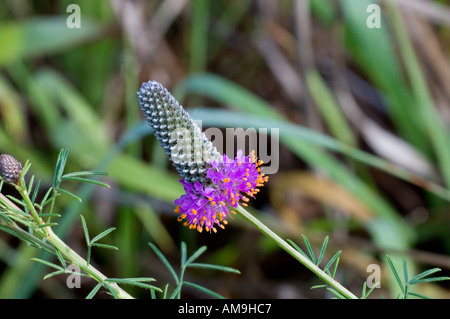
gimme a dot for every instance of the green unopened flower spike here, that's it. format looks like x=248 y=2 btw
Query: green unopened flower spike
x=10 y=168
x=182 y=139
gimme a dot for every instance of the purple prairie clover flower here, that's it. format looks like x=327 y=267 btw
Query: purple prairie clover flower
x=207 y=206
x=213 y=184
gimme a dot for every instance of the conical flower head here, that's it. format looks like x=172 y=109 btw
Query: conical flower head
x=213 y=183
x=182 y=139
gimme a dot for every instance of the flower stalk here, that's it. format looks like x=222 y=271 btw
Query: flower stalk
x=49 y=240
x=68 y=253
x=294 y=253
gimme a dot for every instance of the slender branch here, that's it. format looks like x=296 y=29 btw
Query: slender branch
x=59 y=244
x=294 y=253
x=76 y=259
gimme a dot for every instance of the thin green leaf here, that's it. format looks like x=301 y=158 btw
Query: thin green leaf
x=84 y=173
x=63 y=191
x=18 y=212
x=85 y=230
x=50 y=264
x=50 y=215
x=322 y=251
x=424 y=274
x=335 y=268
x=134 y=279
x=165 y=262
x=47 y=225
x=59 y=168
x=394 y=271
x=94 y=291
x=25 y=169
x=310 y=250
x=176 y=292
x=61 y=259
x=293 y=244
x=196 y=254
x=405 y=270
x=17 y=201
x=433 y=279
x=85 y=180
x=103 y=234
x=111 y=290
x=213 y=267
x=55 y=273
x=332 y=260
x=52 y=198
x=205 y=290
x=336 y=293
x=166 y=289
x=415 y=294
x=106 y=246
x=47 y=194
x=319 y=286
x=36 y=189
x=23 y=237
x=183 y=252
x=20 y=219
x=30 y=184
x=364 y=294
x=138 y=282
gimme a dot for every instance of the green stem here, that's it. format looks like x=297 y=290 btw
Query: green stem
x=294 y=253
x=76 y=259
x=65 y=250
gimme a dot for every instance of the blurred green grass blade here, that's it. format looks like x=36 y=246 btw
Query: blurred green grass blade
x=323 y=9
x=78 y=109
x=12 y=114
x=139 y=176
x=428 y=113
x=374 y=53
x=41 y=36
x=199 y=35
x=126 y=239
x=15 y=280
x=329 y=108
x=39 y=100
x=213 y=267
x=228 y=93
x=154 y=226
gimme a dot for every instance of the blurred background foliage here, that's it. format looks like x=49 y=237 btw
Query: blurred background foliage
x=363 y=115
